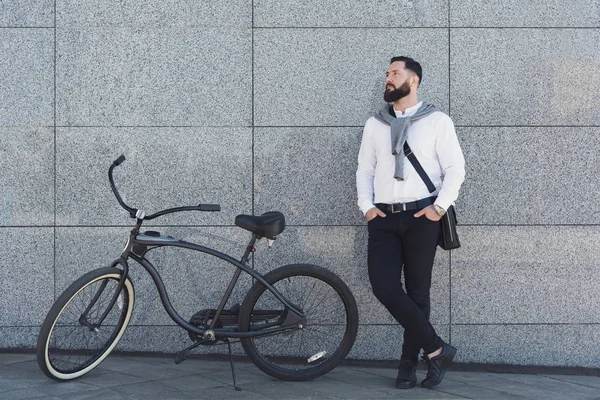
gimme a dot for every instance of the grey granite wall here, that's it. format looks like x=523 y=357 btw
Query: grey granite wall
x=259 y=105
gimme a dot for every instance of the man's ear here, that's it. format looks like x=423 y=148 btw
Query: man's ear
x=414 y=80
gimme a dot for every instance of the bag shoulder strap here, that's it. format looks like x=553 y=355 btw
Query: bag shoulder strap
x=418 y=167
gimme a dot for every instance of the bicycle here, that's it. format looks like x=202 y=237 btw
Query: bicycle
x=89 y=318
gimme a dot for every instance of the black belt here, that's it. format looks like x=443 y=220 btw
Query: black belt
x=413 y=205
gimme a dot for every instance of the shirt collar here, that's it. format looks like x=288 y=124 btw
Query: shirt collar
x=409 y=111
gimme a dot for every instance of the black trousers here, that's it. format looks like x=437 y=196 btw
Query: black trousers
x=400 y=242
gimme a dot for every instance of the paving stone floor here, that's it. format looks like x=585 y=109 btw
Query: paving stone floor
x=154 y=377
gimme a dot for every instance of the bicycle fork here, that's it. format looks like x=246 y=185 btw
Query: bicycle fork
x=83 y=320
x=122 y=260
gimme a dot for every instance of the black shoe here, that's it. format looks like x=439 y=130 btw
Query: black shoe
x=407 y=374
x=437 y=366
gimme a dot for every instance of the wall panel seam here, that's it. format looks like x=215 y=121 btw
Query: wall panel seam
x=289 y=225
x=286 y=126
x=55 y=150
x=528 y=324
x=450 y=113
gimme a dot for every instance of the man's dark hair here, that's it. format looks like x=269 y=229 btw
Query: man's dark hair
x=411 y=65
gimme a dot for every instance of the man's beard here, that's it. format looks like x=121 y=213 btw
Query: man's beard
x=397 y=93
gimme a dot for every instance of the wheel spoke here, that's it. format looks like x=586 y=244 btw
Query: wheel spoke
x=72 y=347
x=317 y=299
x=326 y=329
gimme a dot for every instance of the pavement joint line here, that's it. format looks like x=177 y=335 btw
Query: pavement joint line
x=124 y=371
x=326 y=393
x=17 y=362
x=571 y=382
x=476 y=385
x=459 y=380
x=371 y=373
x=124 y=384
x=380 y=390
x=507 y=378
x=453 y=394
x=447 y=378
x=222 y=384
x=481 y=387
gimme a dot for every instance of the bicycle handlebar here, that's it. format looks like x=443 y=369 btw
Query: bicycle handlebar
x=133 y=211
x=199 y=207
x=117 y=162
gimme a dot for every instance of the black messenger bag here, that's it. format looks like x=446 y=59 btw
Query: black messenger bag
x=448 y=239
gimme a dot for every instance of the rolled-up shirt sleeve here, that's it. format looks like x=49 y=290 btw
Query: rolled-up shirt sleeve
x=365 y=174
x=452 y=163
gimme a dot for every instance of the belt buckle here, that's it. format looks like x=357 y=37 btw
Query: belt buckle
x=394 y=211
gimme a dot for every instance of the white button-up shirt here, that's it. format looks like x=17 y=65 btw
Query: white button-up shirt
x=434 y=142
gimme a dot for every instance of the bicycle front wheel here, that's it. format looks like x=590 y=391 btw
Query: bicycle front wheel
x=321 y=344
x=72 y=339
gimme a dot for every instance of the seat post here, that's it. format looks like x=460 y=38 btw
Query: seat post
x=234 y=279
x=249 y=249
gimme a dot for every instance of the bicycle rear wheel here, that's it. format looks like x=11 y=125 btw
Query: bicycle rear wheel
x=71 y=343
x=321 y=344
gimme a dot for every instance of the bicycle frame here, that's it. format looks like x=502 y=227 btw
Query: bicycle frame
x=141 y=243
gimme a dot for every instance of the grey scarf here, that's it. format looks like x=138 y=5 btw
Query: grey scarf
x=399 y=131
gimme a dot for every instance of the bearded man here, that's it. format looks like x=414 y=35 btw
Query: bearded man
x=403 y=216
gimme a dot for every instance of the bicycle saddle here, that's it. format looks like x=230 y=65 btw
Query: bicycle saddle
x=269 y=224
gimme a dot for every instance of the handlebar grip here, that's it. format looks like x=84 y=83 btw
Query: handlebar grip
x=209 y=207
x=119 y=160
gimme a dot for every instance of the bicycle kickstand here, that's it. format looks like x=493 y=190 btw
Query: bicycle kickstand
x=236 y=387
x=183 y=354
